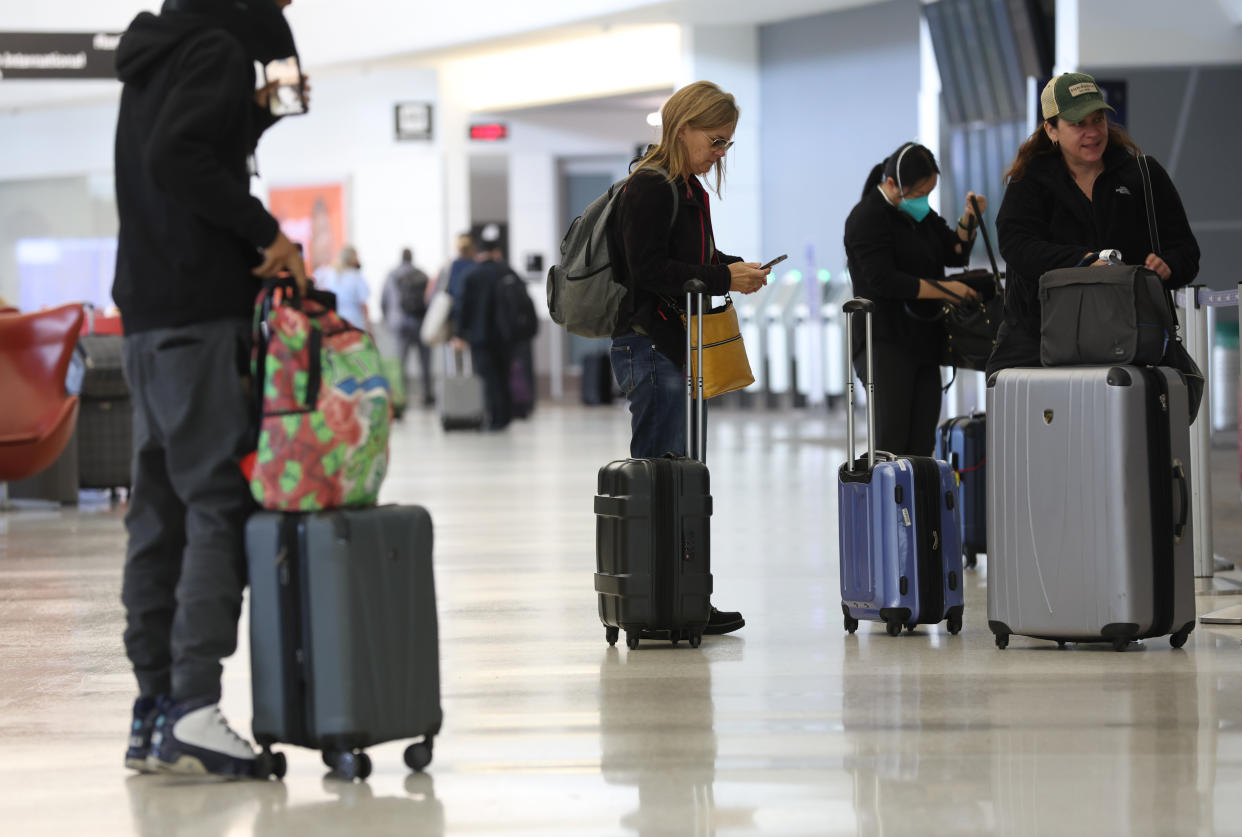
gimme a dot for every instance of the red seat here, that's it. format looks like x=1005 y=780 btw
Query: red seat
x=38 y=417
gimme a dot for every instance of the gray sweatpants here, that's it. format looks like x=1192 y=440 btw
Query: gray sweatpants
x=185 y=564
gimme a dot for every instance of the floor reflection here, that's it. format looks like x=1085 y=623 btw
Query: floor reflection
x=656 y=722
x=166 y=806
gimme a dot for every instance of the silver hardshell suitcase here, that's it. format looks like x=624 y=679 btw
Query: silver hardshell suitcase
x=1089 y=536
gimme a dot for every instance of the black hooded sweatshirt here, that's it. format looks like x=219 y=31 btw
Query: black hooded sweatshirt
x=190 y=231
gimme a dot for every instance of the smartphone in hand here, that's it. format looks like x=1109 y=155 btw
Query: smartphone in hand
x=775 y=261
x=287 y=99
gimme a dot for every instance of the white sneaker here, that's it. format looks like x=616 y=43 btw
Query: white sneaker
x=193 y=737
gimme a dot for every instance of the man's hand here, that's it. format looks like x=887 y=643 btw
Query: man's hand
x=283 y=254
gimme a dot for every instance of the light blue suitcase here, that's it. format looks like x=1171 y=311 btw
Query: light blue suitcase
x=901 y=551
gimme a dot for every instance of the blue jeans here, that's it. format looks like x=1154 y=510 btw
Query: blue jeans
x=656 y=389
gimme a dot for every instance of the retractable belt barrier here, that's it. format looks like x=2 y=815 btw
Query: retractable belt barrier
x=1197 y=306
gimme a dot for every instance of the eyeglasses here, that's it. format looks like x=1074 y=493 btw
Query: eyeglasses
x=720 y=143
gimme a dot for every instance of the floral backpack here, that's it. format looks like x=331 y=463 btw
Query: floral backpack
x=324 y=405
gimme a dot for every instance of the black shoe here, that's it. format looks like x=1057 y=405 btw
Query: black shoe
x=723 y=622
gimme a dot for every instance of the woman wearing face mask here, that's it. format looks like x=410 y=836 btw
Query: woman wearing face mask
x=1076 y=192
x=894 y=244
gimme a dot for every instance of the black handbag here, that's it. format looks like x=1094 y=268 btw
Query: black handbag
x=970 y=326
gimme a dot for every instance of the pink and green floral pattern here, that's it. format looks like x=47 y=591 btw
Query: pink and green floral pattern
x=333 y=452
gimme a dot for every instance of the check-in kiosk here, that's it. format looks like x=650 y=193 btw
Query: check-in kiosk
x=836 y=292
x=778 y=321
x=749 y=309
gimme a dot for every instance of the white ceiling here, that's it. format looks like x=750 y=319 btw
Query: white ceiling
x=336 y=32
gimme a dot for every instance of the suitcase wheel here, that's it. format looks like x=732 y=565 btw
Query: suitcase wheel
x=1179 y=639
x=631 y=639
x=611 y=634
x=851 y=624
x=268 y=764
x=1002 y=641
x=893 y=628
x=347 y=764
x=1120 y=644
x=696 y=639
x=955 y=625
x=1062 y=644
x=970 y=558
x=418 y=756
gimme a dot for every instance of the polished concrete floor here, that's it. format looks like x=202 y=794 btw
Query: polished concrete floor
x=789 y=727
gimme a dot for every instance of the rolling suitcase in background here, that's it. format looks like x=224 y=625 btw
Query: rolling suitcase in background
x=344 y=651
x=962 y=442
x=1089 y=534
x=901 y=557
x=462 y=406
x=653 y=535
x=106 y=414
x=597 y=379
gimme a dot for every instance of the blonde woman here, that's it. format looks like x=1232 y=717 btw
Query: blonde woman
x=664 y=226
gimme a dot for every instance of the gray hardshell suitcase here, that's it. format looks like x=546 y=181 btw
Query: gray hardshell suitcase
x=1088 y=509
x=462 y=406
x=344 y=652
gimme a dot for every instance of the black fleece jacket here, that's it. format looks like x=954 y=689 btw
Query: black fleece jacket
x=190 y=231
x=660 y=258
x=888 y=252
x=1046 y=222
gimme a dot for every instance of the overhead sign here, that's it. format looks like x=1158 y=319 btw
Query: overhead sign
x=58 y=55
x=489 y=131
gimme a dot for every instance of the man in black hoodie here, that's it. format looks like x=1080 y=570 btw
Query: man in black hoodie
x=192 y=244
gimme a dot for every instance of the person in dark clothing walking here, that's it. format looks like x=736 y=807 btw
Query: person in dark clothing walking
x=474 y=324
x=405 y=304
x=191 y=246
x=665 y=232
x=894 y=243
x=1075 y=192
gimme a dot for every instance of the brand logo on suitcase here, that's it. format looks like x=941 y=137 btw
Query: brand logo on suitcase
x=1047 y=416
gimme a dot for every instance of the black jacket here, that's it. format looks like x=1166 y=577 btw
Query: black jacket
x=190 y=231
x=888 y=252
x=474 y=320
x=660 y=259
x=1046 y=222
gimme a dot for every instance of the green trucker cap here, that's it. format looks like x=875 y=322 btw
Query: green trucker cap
x=1072 y=97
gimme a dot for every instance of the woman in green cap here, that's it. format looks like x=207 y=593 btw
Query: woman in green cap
x=1074 y=196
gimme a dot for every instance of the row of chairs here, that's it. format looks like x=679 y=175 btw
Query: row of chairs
x=38 y=417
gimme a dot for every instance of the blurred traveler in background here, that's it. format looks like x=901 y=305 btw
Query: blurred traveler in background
x=345 y=279
x=405 y=303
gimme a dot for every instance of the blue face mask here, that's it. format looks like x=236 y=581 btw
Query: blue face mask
x=916 y=208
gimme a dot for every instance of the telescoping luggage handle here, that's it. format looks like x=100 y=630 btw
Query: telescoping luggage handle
x=850 y=308
x=694 y=373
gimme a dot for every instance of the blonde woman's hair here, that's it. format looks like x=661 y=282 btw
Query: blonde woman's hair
x=700 y=106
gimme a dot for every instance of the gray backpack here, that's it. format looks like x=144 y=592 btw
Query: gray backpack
x=586 y=289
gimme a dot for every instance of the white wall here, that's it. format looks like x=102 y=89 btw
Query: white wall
x=729 y=56
x=1145 y=33
x=394 y=193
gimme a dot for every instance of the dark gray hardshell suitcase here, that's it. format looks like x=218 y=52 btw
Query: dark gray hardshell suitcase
x=344 y=651
x=653 y=548
x=1089 y=534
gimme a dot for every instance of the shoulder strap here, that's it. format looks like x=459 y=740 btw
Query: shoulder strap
x=1150 y=203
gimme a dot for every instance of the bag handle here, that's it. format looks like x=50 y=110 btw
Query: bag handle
x=867 y=307
x=987 y=242
x=695 y=449
x=1149 y=202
